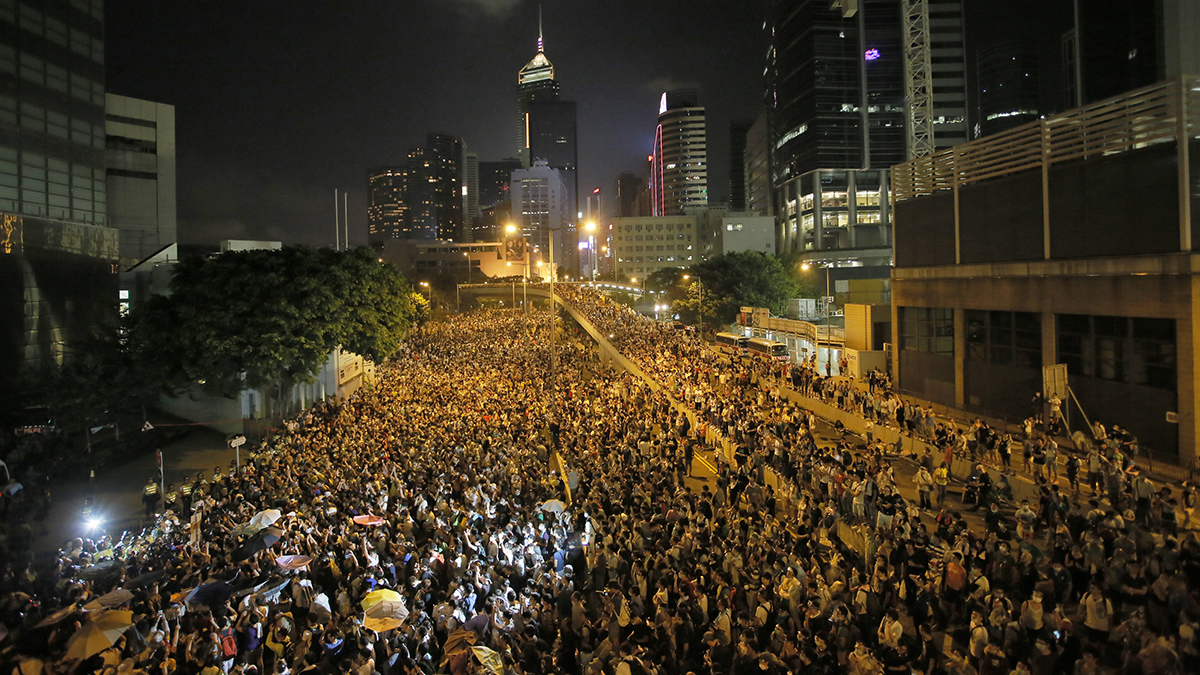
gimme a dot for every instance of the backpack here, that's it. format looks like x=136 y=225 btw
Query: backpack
x=228 y=644
x=956 y=577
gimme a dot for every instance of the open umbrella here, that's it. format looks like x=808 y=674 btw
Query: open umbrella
x=385 y=604
x=293 y=562
x=212 y=594
x=145 y=579
x=381 y=596
x=260 y=542
x=368 y=520
x=268 y=591
x=111 y=599
x=266 y=518
x=489 y=659
x=381 y=625
x=100 y=570
x=57 y=616
x=99 y=634
x=459 y=641
x=553 y=506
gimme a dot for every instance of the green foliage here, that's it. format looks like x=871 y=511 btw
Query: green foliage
x=721 y=286
x=269 y=319
x=810 y=283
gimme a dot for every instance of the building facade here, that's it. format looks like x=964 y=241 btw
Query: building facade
x=1066 y=241
x=540 y=201
x=387 y=211
x=679 y=162
x=646 y=244
x=140 y=175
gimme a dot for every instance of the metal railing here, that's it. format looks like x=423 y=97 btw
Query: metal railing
x=1159 y=113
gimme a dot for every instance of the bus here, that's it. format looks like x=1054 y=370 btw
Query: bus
x=730 y=343
x=768 y=349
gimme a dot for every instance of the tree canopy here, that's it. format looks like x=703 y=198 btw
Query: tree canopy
x=719 y=287
x=270 y=318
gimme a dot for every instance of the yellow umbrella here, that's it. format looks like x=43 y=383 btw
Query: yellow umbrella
x=380 y=625
x=99 y=634
x=489 y=659
x=382 y=595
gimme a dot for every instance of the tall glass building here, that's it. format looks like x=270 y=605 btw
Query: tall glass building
x=679 y=162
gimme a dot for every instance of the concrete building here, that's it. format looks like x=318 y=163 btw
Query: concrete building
x=540 y=200
x=760 y=188
x=58 y=260
x=472 y=262
x=745 y=231
x=646 y=244
x=387 y=211
x=1069 y=240
x=470 y=195
x=948 y=52
x=679 y=161
x=140 y=154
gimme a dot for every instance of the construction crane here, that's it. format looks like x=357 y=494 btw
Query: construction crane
x=918 y=77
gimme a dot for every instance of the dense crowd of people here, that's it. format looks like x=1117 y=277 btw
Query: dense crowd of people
x=523 y=514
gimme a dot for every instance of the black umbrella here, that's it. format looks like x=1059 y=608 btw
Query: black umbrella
x=212 y=594
x=145 y=579
x=101 y=570
x=259 y=542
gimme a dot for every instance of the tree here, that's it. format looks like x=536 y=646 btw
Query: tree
x=724 y=284
x=268 y=319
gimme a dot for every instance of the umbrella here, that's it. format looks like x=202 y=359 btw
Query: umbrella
x=368 y=520
x=293 y=562
x=553 y=506
x=57 y=616
x=99 y=634
x=489 y=659
x=260 y=542
x=100 y=570
x=145 y=579
x=380 y=625
x=267 y=589
x=266 y=518
x=110 y=599
x=379 y=596
x=459 y=641
x=212 y=594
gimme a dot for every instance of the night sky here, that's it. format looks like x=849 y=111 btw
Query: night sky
x=279 y=103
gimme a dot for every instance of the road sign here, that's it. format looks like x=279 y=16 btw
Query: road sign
x=237 y=441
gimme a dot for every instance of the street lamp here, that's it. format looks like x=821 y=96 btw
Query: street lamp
x=429 y=293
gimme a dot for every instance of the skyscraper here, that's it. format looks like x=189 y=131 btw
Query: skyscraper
x=947 y=46
x=422 y=200
x=835 y=98
x=140 y=181
x=629 y=186
x=470 y=194
x=737 y=164
x=547 y=132
x=387 y=211
x=679 y=160
x=494 y=177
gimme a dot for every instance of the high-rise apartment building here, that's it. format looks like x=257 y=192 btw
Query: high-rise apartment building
x=1009 y=88
x=140 y=179
x=679 y=159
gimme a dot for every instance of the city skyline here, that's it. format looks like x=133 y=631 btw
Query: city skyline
x=258 y=152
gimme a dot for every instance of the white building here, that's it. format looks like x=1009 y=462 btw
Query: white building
x=642 y=245
x=540 y=207
x=140 y=168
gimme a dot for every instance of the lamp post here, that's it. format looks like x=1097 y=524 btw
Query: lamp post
x=428 y=294
x=807 y=267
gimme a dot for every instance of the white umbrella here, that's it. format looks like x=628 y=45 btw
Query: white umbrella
x=553 y=506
